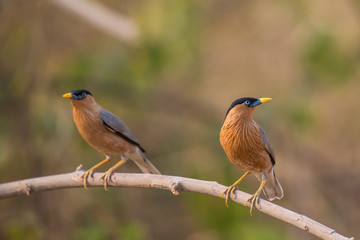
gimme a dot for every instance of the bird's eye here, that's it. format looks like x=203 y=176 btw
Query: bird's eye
x=247 y=102
x=83 y=95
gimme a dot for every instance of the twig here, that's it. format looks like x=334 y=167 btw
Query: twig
x=103 y=18
x=173 y=183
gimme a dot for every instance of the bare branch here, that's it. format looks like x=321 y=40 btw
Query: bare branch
x=174 y=184
x=103 y=18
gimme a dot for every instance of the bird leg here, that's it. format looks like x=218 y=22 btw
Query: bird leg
x=90 y=172
x=254 y=199
x=107 y=175
x=230 y=191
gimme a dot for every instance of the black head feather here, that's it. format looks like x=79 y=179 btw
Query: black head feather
x=79 y=94
x=248 y=101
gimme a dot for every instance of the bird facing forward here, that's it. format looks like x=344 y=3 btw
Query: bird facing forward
x=106 y=133
x=247 y=147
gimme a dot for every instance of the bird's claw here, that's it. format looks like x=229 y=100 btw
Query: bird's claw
x=107 y=179
x=229 y=193
x=86 y=175
x=253 y=200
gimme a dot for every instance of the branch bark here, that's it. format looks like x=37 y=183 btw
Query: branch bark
x=173 y=183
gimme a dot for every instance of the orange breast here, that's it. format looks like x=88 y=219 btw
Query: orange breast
x=242 y=142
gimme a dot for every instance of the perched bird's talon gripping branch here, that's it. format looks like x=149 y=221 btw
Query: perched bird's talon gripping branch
x=106 y=133
x=247 y=147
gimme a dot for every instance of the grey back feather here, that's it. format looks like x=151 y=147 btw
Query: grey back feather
x=116 y=125
x=267 y=145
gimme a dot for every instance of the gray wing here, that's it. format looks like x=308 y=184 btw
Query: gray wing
x=114 y=124
x=267 y=145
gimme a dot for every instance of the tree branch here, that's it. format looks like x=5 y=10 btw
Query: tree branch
x=174 y=184
x=103 y=18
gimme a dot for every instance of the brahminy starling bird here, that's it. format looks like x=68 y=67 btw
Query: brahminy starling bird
x=106 y=133
x=247 y=147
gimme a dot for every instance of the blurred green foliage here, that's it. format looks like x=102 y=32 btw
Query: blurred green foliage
x=301 y=116
x=19 y=230
x=131 y=231
x=91 y=231
x=324 y=62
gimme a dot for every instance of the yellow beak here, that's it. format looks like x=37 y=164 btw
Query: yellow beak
x=262 y=100
x=67 y=95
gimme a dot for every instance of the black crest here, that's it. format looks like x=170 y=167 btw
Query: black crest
x=80 y=94
x=248 y=101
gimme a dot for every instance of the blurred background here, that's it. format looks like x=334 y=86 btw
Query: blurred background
x=172 y=84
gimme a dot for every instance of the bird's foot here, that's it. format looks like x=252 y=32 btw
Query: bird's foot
x=86 y=175
x=107 y=179
x=229 y=193
x=253 y=200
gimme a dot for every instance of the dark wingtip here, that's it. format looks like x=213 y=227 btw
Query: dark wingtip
x=125 y=137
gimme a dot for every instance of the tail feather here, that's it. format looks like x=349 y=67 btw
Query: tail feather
x=143 y=163
x=272 y=188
